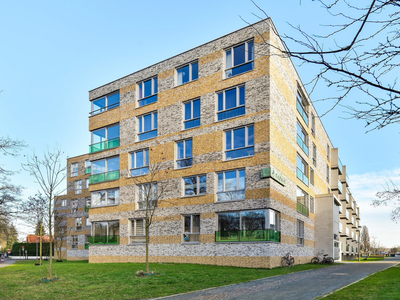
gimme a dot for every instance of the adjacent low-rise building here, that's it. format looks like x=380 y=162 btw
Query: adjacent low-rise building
x=252 y=173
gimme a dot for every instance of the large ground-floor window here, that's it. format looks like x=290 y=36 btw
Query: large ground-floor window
x=106 y=232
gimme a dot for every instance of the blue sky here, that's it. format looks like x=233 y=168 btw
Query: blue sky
x=52 y=53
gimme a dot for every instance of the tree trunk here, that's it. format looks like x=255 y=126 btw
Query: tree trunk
x=41 y=244
x=147 y=239
x=50 y=242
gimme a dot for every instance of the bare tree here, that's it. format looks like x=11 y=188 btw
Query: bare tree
x=49 y=173
x=358 y=52
x=365 y=240
x=60 y=233
x=152 y=189
x=35 y=213
x=390 y=196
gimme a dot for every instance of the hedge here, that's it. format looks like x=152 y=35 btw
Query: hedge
x=31 y=247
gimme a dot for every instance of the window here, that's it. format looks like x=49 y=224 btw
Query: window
x=239 y=59
x=300 y=232
x=74 y=241
x=86 y=183
x=105 y=138
x=105 y=103
x=74 y=169
x=148 y=90
x=312 y=205
x=302 y=170
x=302 y=201
x=313 y=124
x=74 y=205
x=78 y=223
x=138 y=233
x=231 y=103
x=191 y=228
x=105 y=233
x=147 y=126
x=148 y=196
x=195 y=185
x=188 y=73
x=248 y=226
x=140 y=162
x=88 y=167
x=105 y=197
x=231 y=185
x=340 y=227
x=312 y=176
x=88 y=223
x=192 y=114
x=64 y=202
x=301 y=108
x=327 y=173
x=328 y=152
x=105 y=170
x=184 y=157
x=314 y=157
x=239 y=142
x=302 y=138
x=78 y=187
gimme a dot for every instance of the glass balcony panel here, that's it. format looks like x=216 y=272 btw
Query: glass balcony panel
x=231 y=195
x=140 y=171
x=104 y=239
x=239 y=111
x=114 y=175
x=259 y=235
x=243 y=152
x=302 y=112
x=302 y=145
x=302 y=209
x=302 y=176
x=148 y=100
x=240 y=69
x=104 y=145
x=340 y=165
x=148 y=135
x=88 y=170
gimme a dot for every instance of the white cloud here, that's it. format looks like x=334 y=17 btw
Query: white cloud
x=364 y=188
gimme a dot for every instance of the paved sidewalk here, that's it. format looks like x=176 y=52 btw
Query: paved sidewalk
x=7 y=262
x=301 y=285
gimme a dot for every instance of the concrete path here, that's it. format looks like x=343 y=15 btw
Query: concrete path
x=7 y=262
x=302 y=285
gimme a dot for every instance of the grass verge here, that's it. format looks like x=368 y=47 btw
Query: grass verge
x=370 y=259
x=382 y=285
x=81 y=280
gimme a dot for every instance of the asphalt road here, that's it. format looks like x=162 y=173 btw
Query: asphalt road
x=302 y=285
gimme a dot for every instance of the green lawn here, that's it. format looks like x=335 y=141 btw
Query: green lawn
x=376 y=258
x=382 y=285
x=81 y=280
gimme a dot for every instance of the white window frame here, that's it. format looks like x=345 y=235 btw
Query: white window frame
x=106 y=107
x=312 y=204
x=74 y=169
x=78 y=223
x=141 y=117
x=237 y=183
x=74 y=242
x=190 y=72
x=106 y=197
x=154 y=193
x=191 y=112
x=300 y=233
x=304 y=171
x=141 y=238
x=233 y=139
x=246 y=43
x=78 y=187
x=87 y=222
x=133 y=159
x=184 y=153
x=106 y=137
x=86 y=183
x=64 y=202
x=106 y=166
x=223 y=92
x=186 y=234
x=197 y=185
x=267 y=212
x=141 y=83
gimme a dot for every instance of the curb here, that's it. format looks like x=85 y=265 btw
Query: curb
x=343 y=287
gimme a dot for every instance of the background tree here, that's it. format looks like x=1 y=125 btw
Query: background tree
x=365 y=240
x=152 y=189
x=49 y=173
x=11 y=236
x=390 y=196
x=60 y=234
x=357 y=52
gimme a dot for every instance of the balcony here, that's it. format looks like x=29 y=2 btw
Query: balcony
x=259 y=235
x=302 y=209
x=109 y=176
x=103 y=240
x=104 y=145
x=302 y=112
x=86 y=246
x=302 y=145
x=137 y=239
x=302 y=177
x=88 y=170
x=87 y=208
x=340 y=166
x=191 y=237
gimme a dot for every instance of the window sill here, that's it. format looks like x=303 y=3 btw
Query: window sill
x=190 y=243
x=136 y=244
x=228 y=118
x=185 y=129
x=228 y=201
x=108 y=205
x=226 y=78
x=177 y=169
x=226 y=160
x=191 y=196
x=179 y=85
x=139 y=107
x=298 y=245
x=147 y=139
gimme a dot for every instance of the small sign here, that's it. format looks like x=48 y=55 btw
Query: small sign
x=23 y=248
x=273 y=173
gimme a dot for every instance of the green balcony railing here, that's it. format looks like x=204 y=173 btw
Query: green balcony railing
x=103 y=239
x=97 y=178
x=302 y=144
x=87 y=208
x=104 y=145
x=302 y=208
x=86 y=246
x=259 y=235
x=88 y=170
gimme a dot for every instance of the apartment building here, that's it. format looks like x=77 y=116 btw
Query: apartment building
x=252 y=172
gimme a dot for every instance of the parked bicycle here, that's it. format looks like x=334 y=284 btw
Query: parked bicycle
x=322 y=258
x=287 y=261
